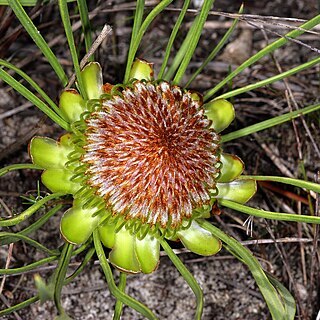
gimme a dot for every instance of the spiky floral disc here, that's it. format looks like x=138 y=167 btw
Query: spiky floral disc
x=151 y=154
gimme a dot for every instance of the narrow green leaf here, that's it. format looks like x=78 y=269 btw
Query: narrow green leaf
x=265 y=51
x=16 y=85
x=84 y=262
x=28 y=267
x=30 y=241
x=20 y=305
x=86 y=27
x=136 y=42
x=187 y=277
x=216 y=49
x=38 y=39
x=294 y=182
x=60 y=275
x=172 y=38
x=270 y=214
x=64 y=13
x=118 y=294
x=119 y=305
x=182 y=51
x=39 y=263
x=33 y=227
x=270 y=80
x=193 y=41
x=18 y=166
x=29 y=3
x=269 y=293
x=29 y=212
x=269 y=123
x=135 y=30
x=34 y=85
x=286 y=297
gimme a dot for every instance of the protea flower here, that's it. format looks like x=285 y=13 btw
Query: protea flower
x=142 y=161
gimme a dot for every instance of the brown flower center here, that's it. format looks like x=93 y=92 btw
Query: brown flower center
x=151 y=154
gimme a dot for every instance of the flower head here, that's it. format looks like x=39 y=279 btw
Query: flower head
x=151 y=154
x=142 y=161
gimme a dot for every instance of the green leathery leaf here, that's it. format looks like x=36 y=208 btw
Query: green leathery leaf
x=71 y=105
x=77 y=224
x=92 y=79
x=59 y=180
x=148 y=253
x=220 y=112
x=123 y=255
x=239 y=191
x=232 y=167
x=199 y=240
x=47 y=153
x=141 y=70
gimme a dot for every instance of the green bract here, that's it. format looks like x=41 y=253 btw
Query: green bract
x=134 y=243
